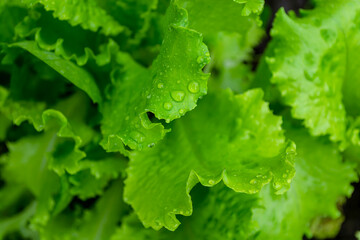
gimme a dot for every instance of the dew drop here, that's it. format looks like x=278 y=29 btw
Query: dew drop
x=284 y=175
x=178 y=96
x=253 y=181
x=200 y=59
x=211 y=182
x=181 y=111
x=194 y=87
x=168 y=106
x=160 y=85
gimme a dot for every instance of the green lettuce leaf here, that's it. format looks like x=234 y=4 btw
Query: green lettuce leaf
x=208 y=17
x=237 y=149
x=98 y=222
x=125 y=121
x=219 y=214
x=178 y=80
x=313 y=63
x=31 y=153
x=9 y=225
x=87 y=14
x=230 y=38
x=251 y=6
x=59 y=136
x=71 y=43
x=136 y=15
x=78 y=76
x=169 y=89
x=94 y=175
x=224 y=214
x=322 y=179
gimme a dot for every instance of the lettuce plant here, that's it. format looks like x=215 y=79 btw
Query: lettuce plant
x=146 y=119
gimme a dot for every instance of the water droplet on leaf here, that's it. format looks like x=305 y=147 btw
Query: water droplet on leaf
x=178 y=95
x=253 y=181
x=168 y=106
x=194 y=87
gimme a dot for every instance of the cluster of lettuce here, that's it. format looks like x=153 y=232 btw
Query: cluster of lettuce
x=124 y=119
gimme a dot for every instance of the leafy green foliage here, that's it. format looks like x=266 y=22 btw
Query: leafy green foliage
x=314 y=191
x=239 y=152
x=315 y=72
x=124 y=119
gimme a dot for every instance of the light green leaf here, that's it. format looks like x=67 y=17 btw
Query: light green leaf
x=251 y=6
x=71 y=43
x=245 y=148
x=230 y=37
x=125 y=120
x=314 y=64
x=62 y=141
x=219 y=213
x=321 y=180
x=178 y=80
x=314 y=193
x=169 y=89
x=86 y=13
x=207 y=16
